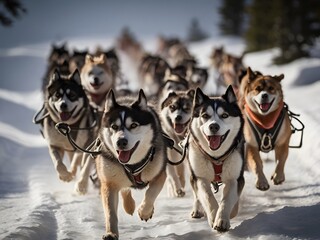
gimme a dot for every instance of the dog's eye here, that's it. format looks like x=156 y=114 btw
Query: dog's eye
x=205 y=116
x=270 y=89
x=133 y=125
x=172 y=108
x=114 y=127
x=57 y=95
x=225 y=115
x=72 y=96
x=258 y=89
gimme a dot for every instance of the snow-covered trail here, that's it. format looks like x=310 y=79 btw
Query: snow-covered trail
x=35 y=204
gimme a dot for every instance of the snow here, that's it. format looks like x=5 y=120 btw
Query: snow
x=35 y=204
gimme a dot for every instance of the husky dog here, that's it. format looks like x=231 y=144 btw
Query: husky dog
x=216 y=156
x=175 y=115
x=197 y=77
x=152 y=71
x=77 y=59
x=97 y=79
x=267 y=125
x=133 y=154
x=66 y=102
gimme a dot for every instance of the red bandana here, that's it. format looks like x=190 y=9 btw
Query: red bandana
x=265 y=121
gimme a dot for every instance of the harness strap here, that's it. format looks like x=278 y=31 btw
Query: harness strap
x=266 y=138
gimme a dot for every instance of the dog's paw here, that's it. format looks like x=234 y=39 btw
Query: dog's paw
x=262 y=184
x=110 y=236
x=81 y=187
x=222 y=225
x=197 y=214
x=277 y=178
x=63 y=173
x=180 y=193
x=144 y=213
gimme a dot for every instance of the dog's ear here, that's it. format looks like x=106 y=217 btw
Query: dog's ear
x=110 y=101
x=76 y=76
x=198 y=99
x=279 y=77
x=141 y=101
x=55 y=76
x=167 y=100
x=229 y=95
x=89 y=58
x=191 y=93
x=251 y=75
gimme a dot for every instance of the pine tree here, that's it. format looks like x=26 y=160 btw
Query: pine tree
x=260 y=33
x=195 y=33
x=297 y=25
x=231 y=17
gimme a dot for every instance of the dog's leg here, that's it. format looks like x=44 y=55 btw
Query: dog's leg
x=110 y=198
x=56 y=155
x=180 y=170
x=146 y=207
x=208 y=201
x=174 y=181
x=75 y=162
x=240 y=188
x=82 y=183
x=255 y=164
x=281 y=156
x=229 y=199
x=196 y=210
x=128 y=202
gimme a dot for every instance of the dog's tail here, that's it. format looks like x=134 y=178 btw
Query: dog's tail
x=128 y=201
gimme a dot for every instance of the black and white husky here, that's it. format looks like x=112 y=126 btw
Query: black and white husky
x=133 y=154
x=175 y=115
x=66 y=102
x=216 y=156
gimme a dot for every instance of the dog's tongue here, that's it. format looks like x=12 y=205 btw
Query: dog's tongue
x=124 y=156
x=178 y=128
x=214 y=141
x=64 y=116
x=264 y=106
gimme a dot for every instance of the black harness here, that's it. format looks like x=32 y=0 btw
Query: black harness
x=266 y=138
x=133 y=171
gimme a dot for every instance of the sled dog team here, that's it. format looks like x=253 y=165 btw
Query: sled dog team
x=148 y=138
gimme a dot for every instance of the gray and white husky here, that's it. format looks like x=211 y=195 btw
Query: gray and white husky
x=66 y=102
x=175 y=115
x=216 y=156
x=133 y=155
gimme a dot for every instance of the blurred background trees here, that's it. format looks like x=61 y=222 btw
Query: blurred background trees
x=292 y=26
x=10 y=10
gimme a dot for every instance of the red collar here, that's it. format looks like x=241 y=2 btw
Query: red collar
x=266 y=121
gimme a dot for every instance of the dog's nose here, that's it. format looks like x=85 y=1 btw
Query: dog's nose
x=63 y=106
x=96 y=81
x=264 y=96
x=122 y=143
x=214 y=127
x=178 y=118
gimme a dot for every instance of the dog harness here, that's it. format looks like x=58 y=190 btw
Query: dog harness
x=217 y=163
x=266 y=128
x=133 y=171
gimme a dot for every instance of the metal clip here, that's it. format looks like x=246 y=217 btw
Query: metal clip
x=266 y=143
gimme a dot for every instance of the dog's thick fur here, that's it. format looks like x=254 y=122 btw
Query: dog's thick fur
x=66 y=102
x=216 y=137
x=262 y=95
x=175 y=116
x=130 y=135
x=97 y=79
